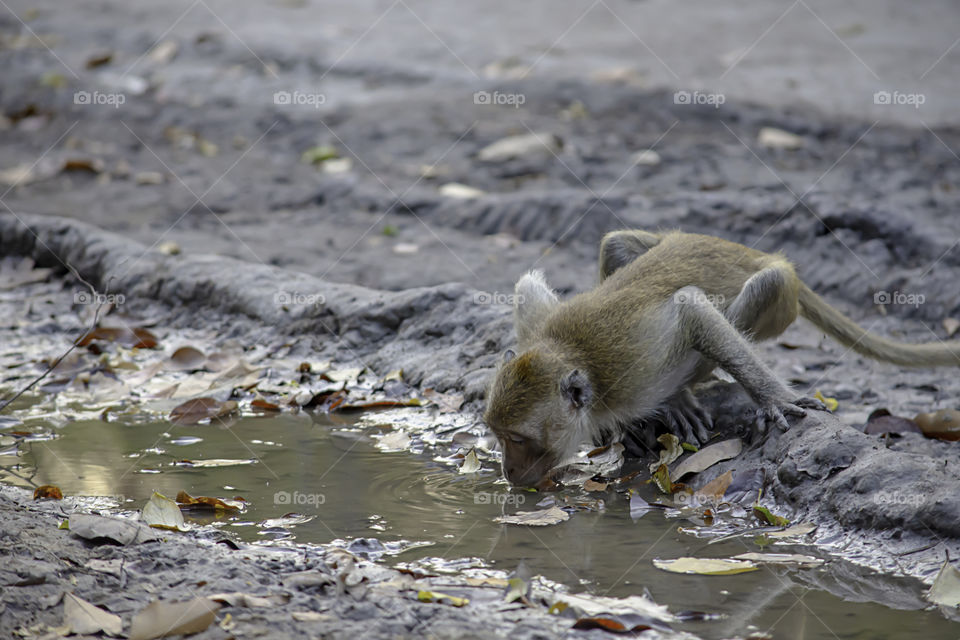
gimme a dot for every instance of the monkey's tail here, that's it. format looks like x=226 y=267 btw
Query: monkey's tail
x=849 y=334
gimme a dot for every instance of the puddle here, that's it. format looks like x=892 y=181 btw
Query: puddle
x=423 y=513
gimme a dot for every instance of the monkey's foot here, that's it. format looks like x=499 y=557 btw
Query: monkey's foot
x=776 y=414
x=810 y=403
x=685 y=418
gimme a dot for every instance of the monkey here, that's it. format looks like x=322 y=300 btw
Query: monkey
x=669 y=308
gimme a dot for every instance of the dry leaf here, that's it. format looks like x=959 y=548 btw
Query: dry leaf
x=199 y=409
x=48 y=491
x=84 y=618
x=160 y=619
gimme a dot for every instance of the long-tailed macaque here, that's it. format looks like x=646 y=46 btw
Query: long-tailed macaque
x=669 y=309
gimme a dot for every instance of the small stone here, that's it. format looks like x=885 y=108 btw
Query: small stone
x=646 y=157
x=779 y=139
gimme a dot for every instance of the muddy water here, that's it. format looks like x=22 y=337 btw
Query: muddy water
x=425 y=513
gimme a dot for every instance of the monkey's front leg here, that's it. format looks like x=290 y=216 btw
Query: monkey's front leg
x=707 y=331
x=683 y=416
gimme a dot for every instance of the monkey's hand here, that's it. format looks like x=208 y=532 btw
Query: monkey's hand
x=685 y=418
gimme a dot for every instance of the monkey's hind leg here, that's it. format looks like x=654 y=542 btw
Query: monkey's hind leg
x=767 y=303
x=620 y=248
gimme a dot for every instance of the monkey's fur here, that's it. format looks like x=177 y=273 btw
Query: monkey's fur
x=669 y=309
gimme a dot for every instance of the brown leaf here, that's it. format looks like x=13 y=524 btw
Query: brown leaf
x=137 y=338
x=263 y=405
x=607 y=624
x=199 y=409
x=186 y=502
x=48 y=491
x=448 y=402
x=99 y=59
x=365 y=405
x=187 y=359
x=942 y=425
x=593 y=485
x=159 y=619
x=716 y=488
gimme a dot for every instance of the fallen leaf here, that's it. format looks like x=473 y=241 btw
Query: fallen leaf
x=945 y=590
x=263 y=405
x=186 y=502
x=137 y=338
x=99 y=59
x=794 y=559
x=716 y=488
x=238 y=599
x=117 y=530
x=471 y=463
x=215 y=462
x=768 y=517
x=447 y=402
x=661 y=478
x=48 y=491
x=436 y=596
x=519 y=146
x=795 y=531
x=164 y=52
x=319 y=154
x=394 y=441
x=670 y=452
x=831 y=403
x=951 y=326
x=707 y=457
x=779 y=139
x=161 y=512
x=200 y=409
x=705 y=566
x=881 y=422
x=540 y=518
x=187 y=359
x=942 y=425
x=160 y=619
x=593 y=485
x=84 y=618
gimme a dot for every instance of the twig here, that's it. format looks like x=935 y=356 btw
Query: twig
x=56 y=363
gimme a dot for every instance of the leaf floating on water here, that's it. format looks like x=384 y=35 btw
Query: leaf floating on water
x=84 y=618
x=186 y=502
x=161 y=512
x=768 y=517
x=436 y=596
x=214 y=462
x=366 y=405
x=707 y=457
x=610 y=625
x=541 y=518
x=795 y=531
x=794 y=559
x=160 y=619
x=670 y=452
x=199 y=409
x=48 y=491
x=471 y=463
x=945 y=590
x=264 y=405
x=593 y=485
x=831 y=403
x=288 y=520
x=394 y=441
x=137 y=338
x=705 y=566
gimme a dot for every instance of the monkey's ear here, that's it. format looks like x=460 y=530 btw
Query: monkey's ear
x=533 y=301
x=576 y=388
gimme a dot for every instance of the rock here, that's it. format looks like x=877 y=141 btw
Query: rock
x=646 y=157
x=520 y=146
x=779 y=139
x=461 y=191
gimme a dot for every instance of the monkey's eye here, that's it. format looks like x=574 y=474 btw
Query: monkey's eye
x=515 y=439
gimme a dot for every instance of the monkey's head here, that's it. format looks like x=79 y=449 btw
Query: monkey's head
x=537 y=407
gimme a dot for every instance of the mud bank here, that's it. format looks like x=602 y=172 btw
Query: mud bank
x=879 y=498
